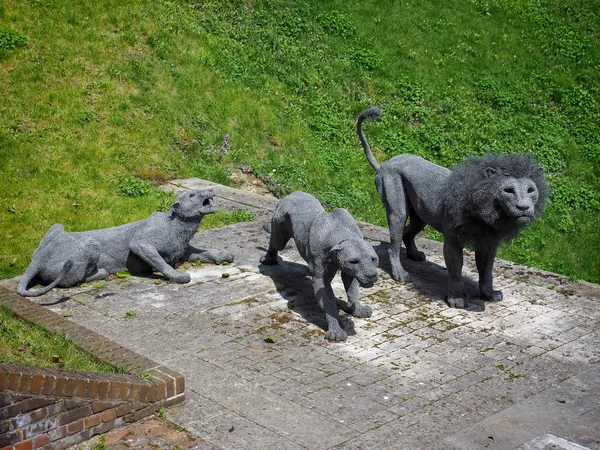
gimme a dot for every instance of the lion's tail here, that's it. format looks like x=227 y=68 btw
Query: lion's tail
x=30 y=274
x=371 y=113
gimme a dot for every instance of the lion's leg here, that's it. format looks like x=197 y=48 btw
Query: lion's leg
x=277 y=242
x=151 y=256
x=392 y=194
x=453 y=255
x=327 y=301
x=415 y=226
x=353 y=293
x=396 y=225
x=485 y=266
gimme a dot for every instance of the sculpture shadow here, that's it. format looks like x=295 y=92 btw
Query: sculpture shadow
x=294 y=283
x=430 y=279
x=56 y=302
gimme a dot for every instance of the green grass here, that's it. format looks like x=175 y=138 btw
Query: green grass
x=25 y=343
x=97 y=96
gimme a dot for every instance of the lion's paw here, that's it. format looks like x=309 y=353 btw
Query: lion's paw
x=457 y=302
x=495 y=296
x=417 y=256
x=336 y=334
x=268 y=260
x=362 y=311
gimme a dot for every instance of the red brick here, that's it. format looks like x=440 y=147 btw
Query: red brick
x=58 y=433
x=179 y=379
x=6 y=426
x=123 y=409
x=99 y=405
x=74 y=414
x=144 y=391
x=82 y=387
x=115 y=387
x=103 y=387
x=34 y=403
x=124 y=391
x=92 y=388
x=5 y=399
x=161 y=391
x=134 y=391
x=3 y=379
x=36 y=383
x=108 y=415
x=14 y=379
x=71 y=403
x=41 y=440
x=70 y=387
x=25 y=382
x=24 y=445
x=7 y=439
x=59 y=386
x=43 y=426
x=75 y=427
x=39 y=414
x=10 y=411
x=48 y=386
x=92 y=421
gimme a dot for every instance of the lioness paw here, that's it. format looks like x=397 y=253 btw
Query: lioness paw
x=336 y=335
x=457 y=302
x=182 y=278
x=223 y=257
x=400 y=275
x=362 y=311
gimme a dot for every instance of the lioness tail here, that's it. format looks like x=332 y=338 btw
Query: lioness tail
x=30 y=274
x=371 y=113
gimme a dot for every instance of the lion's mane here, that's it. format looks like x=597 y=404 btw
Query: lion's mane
x=472 y=212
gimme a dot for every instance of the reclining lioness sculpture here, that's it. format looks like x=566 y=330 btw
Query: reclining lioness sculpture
x=328 y=242
x=482 y=202
x=156 y=243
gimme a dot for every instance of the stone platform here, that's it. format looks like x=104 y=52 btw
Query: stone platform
x=521 y=373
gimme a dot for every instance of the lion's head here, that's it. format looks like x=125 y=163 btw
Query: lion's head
x=494 y=193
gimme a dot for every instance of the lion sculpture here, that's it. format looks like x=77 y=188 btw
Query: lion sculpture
x=329 y=242
x=480 y=203
x=155 y=243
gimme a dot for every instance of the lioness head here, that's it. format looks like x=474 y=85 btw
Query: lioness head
x=196 y=203
x=357 y=259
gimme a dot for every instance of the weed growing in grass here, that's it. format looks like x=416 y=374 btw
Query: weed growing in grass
x=10 y=39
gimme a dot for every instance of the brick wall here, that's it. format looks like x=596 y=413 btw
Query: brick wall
x=54 y=408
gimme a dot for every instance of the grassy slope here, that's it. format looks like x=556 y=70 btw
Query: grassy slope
x=105 y=91
x=25 y=343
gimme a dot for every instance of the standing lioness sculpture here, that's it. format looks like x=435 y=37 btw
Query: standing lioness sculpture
x=480 y=203
x=156 y=243
x=328 y=242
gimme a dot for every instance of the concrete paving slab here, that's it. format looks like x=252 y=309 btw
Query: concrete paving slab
x=416 y=374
